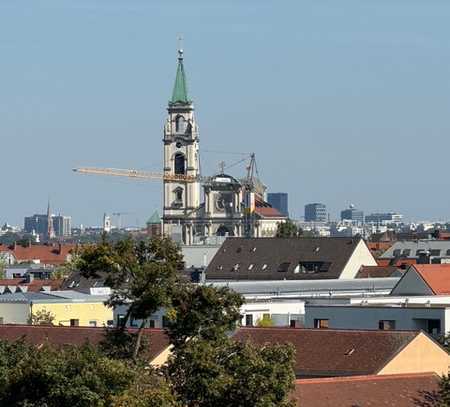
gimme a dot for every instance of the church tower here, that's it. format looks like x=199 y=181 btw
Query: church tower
x=181 y=158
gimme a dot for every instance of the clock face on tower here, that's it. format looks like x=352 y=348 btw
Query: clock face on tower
x=223 y=202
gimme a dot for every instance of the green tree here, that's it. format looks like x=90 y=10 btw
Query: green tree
x=202 y=312
x=288 y=229
x=265 y=322
x=3 y=265
x=207 y=368
x=227 y=373
x=78 y=377
x=141 y=274
x=41 y=317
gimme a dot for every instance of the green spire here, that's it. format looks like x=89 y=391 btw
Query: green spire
x=180 y=92
x=155 y=219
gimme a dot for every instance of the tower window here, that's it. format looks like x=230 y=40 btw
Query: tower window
x=180 y=124
x=179 y=195
x=180 y=168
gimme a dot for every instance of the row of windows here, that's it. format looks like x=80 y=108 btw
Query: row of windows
x=407 y=252
x=308 y=267
x=383 y=324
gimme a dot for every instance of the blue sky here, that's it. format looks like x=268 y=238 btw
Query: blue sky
x=342 y=101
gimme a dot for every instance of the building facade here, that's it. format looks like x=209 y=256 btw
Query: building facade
x=315 y=212
x=352 y=214
x=384 y=218
x=279 y=201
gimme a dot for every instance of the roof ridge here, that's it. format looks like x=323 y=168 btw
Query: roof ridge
x=365 y=378
x=300 y=329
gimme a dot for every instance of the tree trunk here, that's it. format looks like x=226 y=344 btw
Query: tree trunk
x=138 y=340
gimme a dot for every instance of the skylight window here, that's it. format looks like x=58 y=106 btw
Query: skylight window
x=264 y=267
x=250 y=267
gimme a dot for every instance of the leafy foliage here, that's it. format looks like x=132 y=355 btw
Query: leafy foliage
x=78 y=377
x=231 y=374
x=142 y=275
x=41 y=317
x=202 y=312
x=288 y=229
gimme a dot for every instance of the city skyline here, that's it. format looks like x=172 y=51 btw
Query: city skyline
x=341 y=127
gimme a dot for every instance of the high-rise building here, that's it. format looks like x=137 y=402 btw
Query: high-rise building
x=384 y=218
x=279 y=201
x=48 y=226
x=352 y=214
x=315 y=212
x=62 y=225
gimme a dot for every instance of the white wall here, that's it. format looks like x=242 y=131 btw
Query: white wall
x=361 y=256
x=280 y=310
x=14 y=313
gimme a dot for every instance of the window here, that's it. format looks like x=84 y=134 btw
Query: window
x=314 y=266
x=1 y=321
x=435 y=252
x=178 y=195
x=179 y=164
x=283 y=267
x=110 y=322
x=397 y=252
x=249 y=320
x=407 y=252
x=93 y=323
x=151 y=323
x=293 y=323
x=180 y=124
x=321 y=323
x=250 y=267
x=133 y=322
x=236 y=267
x=120 y=318
x=448 y=252
x=419 y=252
x=386 y=324
x=165 y=321
x=264 y=267
x=74 y=322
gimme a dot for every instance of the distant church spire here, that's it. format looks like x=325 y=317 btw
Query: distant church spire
x=180 y=91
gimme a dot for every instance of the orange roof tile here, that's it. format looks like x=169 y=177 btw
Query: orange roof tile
x=46 y=254
x=400 y=390
x=436 y=276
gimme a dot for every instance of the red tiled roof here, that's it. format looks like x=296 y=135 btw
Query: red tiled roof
x=47 y=254
x=62 y=335
x=267 y=212
x=332 y=352
x=33 y=286
x=436 y=276
x=402 y=390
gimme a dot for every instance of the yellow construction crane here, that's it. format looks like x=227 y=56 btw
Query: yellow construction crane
x=138 y=174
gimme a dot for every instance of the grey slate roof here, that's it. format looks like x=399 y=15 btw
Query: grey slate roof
x=277 y=258
x=412 y=246
x=310 y=288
